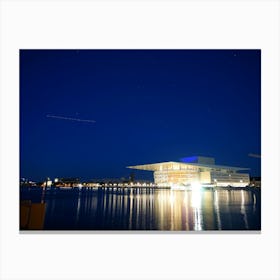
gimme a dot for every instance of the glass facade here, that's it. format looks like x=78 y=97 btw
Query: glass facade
x=178 y=177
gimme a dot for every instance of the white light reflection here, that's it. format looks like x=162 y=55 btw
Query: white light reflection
x=196 y=205
x=196 y=186
x=137 y=208
x=217 y=209
x=78 y=208
x=171 y=198
x=196 y=195
x=130 y=208
x=254 y=205
x=243 y=210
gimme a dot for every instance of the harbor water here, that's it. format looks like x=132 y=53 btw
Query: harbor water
x=158 y=210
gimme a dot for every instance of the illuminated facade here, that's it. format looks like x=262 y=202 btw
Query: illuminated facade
x=196 y=170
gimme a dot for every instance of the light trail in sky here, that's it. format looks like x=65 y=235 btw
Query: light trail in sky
x=254 y=155
x=69 y=119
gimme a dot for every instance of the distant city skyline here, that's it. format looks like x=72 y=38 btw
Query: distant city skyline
x=91 y=113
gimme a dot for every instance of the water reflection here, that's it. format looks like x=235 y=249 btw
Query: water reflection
x=196 y=206
x=217 y=209
x=161 y=210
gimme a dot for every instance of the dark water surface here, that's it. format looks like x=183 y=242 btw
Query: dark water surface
x=159 y=210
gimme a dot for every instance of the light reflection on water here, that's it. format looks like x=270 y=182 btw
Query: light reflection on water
x=161 y=210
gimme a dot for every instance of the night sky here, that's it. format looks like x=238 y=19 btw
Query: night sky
x=148 y=106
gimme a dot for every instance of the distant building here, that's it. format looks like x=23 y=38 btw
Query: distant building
x=255 y=182
x=115 y=182
x=27 y=183
x=66 y=182
x=196 y=170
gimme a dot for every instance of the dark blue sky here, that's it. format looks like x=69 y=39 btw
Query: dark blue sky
x=149 y=106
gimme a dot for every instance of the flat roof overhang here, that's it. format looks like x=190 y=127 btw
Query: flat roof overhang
x=172 y=165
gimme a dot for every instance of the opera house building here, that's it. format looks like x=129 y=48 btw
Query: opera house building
x=196 y=170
